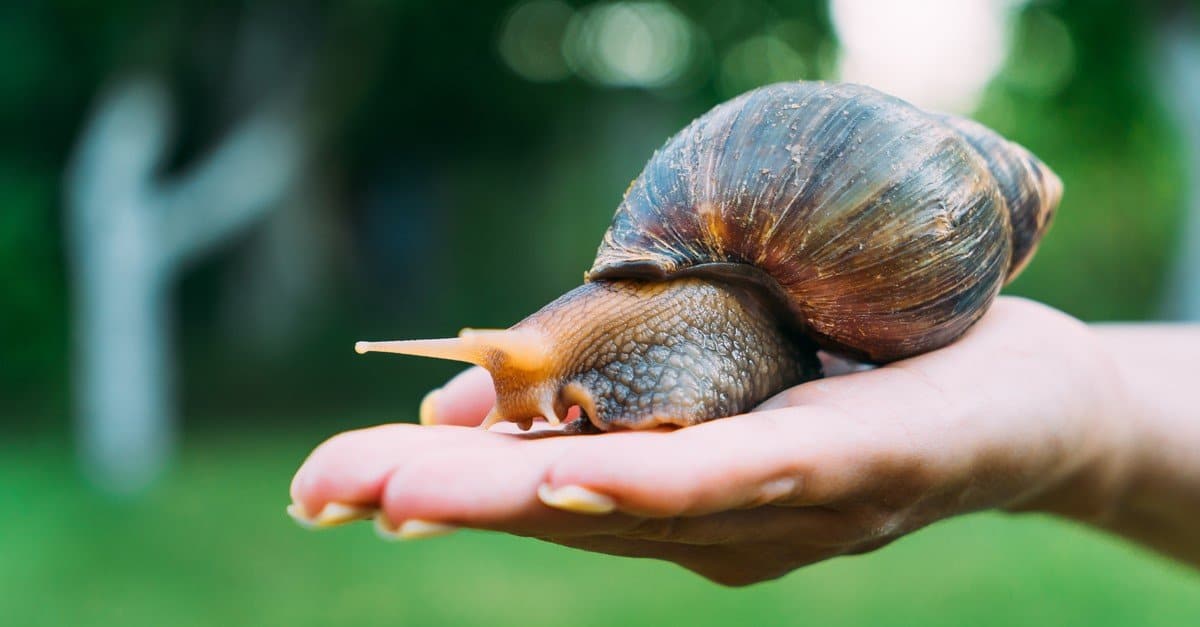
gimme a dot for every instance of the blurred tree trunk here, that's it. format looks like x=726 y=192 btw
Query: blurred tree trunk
x=129 y=235
x=1178 y=55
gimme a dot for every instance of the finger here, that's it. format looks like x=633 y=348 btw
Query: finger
x=489 y=481
x=446 y=475
x=464 y=400
x=432 y=475
x=349 y=469
x=797 y=456
x=468 y=477
x=475 y=478
x=454 y=486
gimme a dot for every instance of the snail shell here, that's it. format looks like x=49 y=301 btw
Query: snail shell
x=885 y=230
x=794 y=216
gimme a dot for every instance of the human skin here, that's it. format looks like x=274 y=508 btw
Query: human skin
x=1031 y=410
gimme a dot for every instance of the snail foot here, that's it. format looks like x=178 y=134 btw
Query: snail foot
x=581 y=426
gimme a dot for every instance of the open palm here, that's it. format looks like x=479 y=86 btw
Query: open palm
x=1019 y=413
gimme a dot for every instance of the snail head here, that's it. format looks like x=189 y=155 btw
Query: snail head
x=520 y=360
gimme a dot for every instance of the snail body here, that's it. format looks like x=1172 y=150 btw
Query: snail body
x=794 y=217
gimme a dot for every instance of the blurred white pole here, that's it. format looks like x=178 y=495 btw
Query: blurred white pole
x=128 y=235
x=914 y=49
x=1179 y=82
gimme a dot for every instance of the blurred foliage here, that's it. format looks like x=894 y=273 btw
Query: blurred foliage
x=464 y=194
x=1100 y=127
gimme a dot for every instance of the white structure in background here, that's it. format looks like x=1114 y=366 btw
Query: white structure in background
x=937 y=54
x=129 y=233
x=1179 y=82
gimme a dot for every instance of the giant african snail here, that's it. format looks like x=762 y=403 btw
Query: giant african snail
x=797 y=216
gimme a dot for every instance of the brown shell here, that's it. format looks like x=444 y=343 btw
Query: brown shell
x=886 y=231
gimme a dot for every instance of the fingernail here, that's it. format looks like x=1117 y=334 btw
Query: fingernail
x=411 y=529
x=332 y=515
x=428 y=407
x=576 y=498
x=296 y=511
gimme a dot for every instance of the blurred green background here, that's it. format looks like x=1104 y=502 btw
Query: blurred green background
x=405 y=169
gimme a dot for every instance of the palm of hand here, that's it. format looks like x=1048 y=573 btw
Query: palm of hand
x=1009 y=416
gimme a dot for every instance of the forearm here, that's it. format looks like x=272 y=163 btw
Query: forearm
x=1152 y=481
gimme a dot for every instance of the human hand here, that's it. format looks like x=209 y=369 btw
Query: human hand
x=1023 y=412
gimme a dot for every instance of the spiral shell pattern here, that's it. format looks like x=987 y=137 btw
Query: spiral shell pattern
x=884 y=231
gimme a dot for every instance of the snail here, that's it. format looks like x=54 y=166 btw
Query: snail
x=794 y=218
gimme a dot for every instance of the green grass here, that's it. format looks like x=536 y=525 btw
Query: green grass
x=212 y=546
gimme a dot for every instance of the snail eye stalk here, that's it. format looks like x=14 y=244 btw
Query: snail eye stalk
x=523 y=349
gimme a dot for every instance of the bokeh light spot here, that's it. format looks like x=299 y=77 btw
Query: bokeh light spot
x=757 y=61
x=1043 y=55
x=531 y=40
x=630 y=44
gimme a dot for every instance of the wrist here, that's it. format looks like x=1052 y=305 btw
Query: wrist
x=1101 y=464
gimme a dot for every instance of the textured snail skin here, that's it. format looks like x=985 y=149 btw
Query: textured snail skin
x=637 y=354
x=796 y=216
